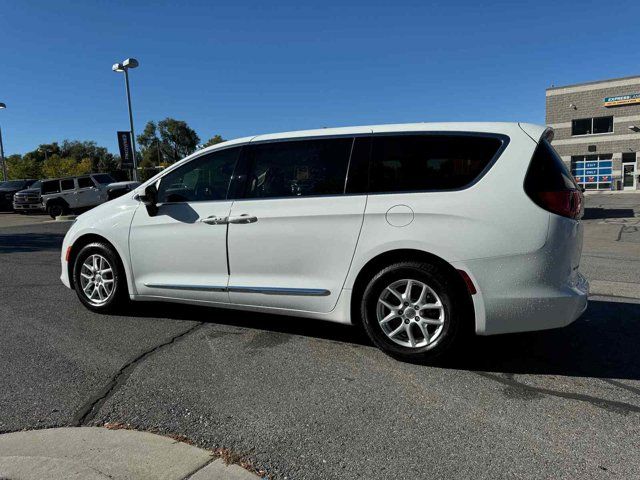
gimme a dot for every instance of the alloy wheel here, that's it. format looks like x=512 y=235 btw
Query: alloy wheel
x=97 y=279
x=410 y=313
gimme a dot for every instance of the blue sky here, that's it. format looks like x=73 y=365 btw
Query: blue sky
x=240 y=68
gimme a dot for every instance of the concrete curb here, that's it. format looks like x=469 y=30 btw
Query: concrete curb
x=614 y=289
x=94 y=453
x=65 y=218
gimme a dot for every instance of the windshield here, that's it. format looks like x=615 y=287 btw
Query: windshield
x=36 y=185
x=103 y=179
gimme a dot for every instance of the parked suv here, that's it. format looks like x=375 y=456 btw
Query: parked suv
x=28 y=200
x=9 y=188
x=72 y=194
x=417 y=232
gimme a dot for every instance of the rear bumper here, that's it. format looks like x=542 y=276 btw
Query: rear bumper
x=513 y=298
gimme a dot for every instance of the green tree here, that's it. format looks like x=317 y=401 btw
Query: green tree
x=57 y=166
x=214 y=141
x=21 y=167
x=178 y=139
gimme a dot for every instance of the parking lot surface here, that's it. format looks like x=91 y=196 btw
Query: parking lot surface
x=312 y=400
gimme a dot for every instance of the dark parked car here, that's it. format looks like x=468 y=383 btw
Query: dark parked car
x=9 y=188
x=28 y=200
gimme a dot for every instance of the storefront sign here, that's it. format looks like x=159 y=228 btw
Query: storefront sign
x=630 y=99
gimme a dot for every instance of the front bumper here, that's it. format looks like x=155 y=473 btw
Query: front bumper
x=28 y=206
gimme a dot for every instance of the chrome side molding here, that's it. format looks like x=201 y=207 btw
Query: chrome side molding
x=304 y=292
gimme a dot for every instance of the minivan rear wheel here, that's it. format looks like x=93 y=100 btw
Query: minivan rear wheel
x=98 y=278
x=409 y=310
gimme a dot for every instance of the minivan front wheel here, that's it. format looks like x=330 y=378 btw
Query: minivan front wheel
x=408 y=311
x=98 y=279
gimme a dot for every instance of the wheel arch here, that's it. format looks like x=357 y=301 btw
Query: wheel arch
x=390 y=257
x=84 y=240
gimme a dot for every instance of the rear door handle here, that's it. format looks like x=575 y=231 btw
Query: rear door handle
x=244 y=218
x=214 y=220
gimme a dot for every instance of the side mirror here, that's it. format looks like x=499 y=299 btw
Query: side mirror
x=150 y=200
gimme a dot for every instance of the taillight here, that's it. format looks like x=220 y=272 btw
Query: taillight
x=550 y=185
x=567 y=203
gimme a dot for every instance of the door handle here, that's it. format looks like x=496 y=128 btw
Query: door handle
x=214 y=220
x=244 y=218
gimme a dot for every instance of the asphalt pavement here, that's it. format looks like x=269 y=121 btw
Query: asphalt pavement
x=304 y=399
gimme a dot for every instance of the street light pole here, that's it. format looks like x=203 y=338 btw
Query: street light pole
x=4 y=164
x=124 y=67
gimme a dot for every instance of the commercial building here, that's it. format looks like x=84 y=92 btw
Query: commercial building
x=597 y=131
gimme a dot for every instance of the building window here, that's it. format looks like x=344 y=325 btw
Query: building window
x=593 y=172
x=590 y=126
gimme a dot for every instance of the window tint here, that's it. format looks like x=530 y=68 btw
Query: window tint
x=404 y=163
x=358 y=175
x=103 y=179
x=204 y=179
x=52 y=186
x=298 y=168
x=85 y=182
x=67 y=184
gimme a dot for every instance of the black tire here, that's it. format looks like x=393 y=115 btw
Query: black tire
x=55 y=210
x=119 y=296
x=452 y=300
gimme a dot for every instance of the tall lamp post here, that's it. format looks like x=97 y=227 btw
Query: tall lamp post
x=124 y=67
x=4 y=164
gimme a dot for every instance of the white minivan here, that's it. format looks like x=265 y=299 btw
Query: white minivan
x=417 y=232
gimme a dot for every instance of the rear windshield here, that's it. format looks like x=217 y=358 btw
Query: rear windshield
x=547 y=172
x=406 y=163
x=103 y=179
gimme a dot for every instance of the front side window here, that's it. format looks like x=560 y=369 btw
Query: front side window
x=51 y=186
x=406 y=163
x=298 y=168
x=103 y=179
x=67 y=184
x=203 y=179
x=85 y=182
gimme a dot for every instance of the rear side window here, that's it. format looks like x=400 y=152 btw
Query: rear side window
x=406 y=163
x=67 y=184
x=85 y=182
x=298 y=168
x=52 y=186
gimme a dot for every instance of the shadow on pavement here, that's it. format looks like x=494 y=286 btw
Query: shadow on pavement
x=30 y=242
x=595 y=213
x=603 y=343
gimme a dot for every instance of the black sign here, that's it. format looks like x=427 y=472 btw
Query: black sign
x=126 y=151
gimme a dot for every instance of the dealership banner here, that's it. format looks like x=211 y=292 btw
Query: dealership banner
x=630 y=99
x=126 y=151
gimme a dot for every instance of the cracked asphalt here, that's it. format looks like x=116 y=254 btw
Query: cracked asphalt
x=312 y=400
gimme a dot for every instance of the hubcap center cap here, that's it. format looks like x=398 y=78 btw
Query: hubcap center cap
x=410 y=313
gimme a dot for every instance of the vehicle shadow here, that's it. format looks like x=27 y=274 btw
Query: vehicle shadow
x=597 y=213
x=603 y=343
x=30 y=242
